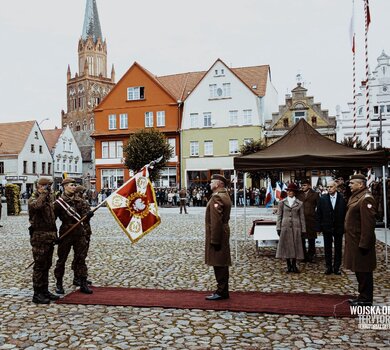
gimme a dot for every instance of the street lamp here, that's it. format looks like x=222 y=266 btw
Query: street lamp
x=380 y=126
x=43 y=120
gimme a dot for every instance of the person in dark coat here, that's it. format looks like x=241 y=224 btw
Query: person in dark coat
x=289 y=225
x=43 y=234
x=217 y=247
x=359 y=251
x=330 y=221
x=310 y=200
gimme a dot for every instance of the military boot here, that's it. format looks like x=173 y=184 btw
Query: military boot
x=51 y=296
x=59 y=287
x=84 y=288
x=76 y=281
x=40 y=298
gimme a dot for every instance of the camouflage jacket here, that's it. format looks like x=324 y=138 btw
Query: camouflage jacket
x=41 y=212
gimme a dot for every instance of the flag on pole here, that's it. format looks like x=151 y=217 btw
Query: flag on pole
x=368 y=15
x=269 y=195
x=352 y=29
x=134 y=206
x=278 y=192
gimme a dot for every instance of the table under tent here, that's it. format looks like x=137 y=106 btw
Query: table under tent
x=303 y=147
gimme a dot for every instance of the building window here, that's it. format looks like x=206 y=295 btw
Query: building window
x=148 y=119
x=112 y=122
x=376 y=109
x=207 y=119
x=247 y=117
x=213 y=90
x=299 y=115
x=34 y=167
x=194 y=148
x=112 y=149
x=285 y=123
x=71 y=126
x=314 y=122
x=226 y=89
x=70 y=146
x=360 y=112
x=374 y=144
x=64 y=146
x=49 y=168
x=70 y=167
x=123 y=121
x=75 y=167
x=135 y=93
x=208 y=148
x=172 y=143
x=112 y=178
x=36 y=135
x=32 y=148
x=233 y=117
x=58 y=166
x=233 y=146
x=161 y=118
x=77 y=126
x=43 y=167
x=194 y=120
x=91 y=125
x=1 y=167
x=63 y=165
x=40 y=149
x=25 y=167
x=84 y=125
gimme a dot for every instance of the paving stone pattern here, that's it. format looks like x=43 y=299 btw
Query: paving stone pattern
x=171 y=257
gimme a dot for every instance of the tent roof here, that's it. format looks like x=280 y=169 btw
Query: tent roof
x=303 y=147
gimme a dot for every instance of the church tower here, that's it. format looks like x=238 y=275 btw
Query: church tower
x=89 y=85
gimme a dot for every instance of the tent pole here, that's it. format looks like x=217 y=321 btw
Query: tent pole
x=235 y=212
x=245 y=177
x=385 y=209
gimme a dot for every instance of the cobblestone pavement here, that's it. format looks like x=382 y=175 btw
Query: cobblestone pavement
x=171 y=257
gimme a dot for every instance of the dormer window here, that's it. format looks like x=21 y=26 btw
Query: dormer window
x=135 y=93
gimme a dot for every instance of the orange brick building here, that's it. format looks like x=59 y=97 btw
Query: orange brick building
x=139 y=100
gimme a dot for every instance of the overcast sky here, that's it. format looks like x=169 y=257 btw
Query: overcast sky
x=38 y=39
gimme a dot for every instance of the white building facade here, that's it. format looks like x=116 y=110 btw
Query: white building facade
x=227 y=108
x=379 y=99
x=24 y=155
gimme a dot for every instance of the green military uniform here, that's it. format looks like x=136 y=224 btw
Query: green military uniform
x=43 y=233
x=70 y=209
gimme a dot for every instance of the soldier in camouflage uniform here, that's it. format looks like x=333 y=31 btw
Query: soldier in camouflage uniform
x=43 y=234
x=69 y=208
x=79 y=192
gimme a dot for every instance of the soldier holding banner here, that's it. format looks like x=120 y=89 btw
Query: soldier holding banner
x=70 y=209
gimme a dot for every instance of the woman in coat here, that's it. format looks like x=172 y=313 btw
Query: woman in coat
x=289 y=225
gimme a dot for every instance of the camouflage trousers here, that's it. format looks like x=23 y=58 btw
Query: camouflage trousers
x=88 y=239
x=79 y=244
x=42 y=250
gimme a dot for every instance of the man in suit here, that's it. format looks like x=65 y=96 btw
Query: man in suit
x=310 y=200
x=330 y=221
x=359 y=253
x=217 y=247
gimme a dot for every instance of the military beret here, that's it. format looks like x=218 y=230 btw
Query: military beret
x=358 y=177
x=68 y=180
x=220 y=178
x=44 y=181
x=80 y=189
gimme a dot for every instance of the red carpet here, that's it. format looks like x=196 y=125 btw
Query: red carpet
x=277 y=303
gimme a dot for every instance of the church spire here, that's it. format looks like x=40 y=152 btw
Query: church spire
x=91 y=27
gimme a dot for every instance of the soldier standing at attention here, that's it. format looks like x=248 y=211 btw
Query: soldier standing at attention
x=183 y=200
x=69 y=208
x=43 y=234
x=359 y=253
x=79 y=192
x=217 y=249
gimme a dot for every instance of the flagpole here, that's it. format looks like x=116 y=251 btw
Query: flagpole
x=354 y=137
x=368 y=124
x=235 y=213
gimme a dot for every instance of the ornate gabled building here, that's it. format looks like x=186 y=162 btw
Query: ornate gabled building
x=88 y=87
x=379 y=109
x=297 y=106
